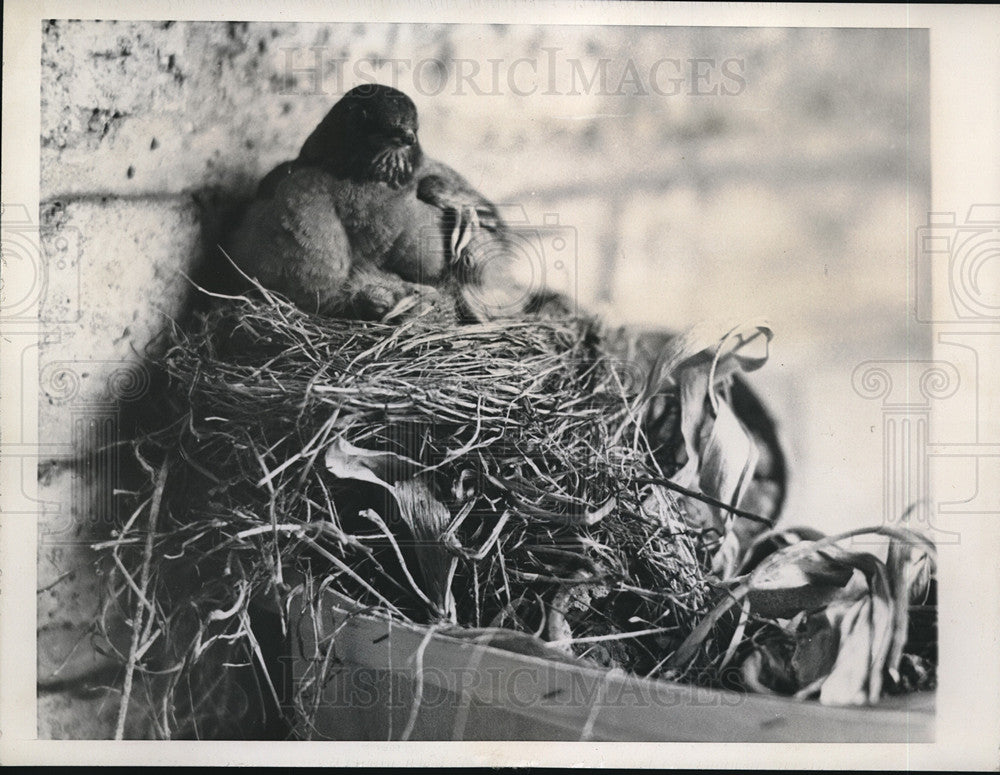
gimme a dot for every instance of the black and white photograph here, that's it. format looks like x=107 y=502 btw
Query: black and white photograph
x=529 y=379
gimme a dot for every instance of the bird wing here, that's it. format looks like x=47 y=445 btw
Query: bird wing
x=291 y=239
x=439 y=185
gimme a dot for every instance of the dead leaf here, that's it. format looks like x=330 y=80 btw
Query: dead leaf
x=425 y=516
x=847 y=683
x=720 y=454
x=817 y=641
x=786 y=583
x=346 y=461
x=838 y=590
x=724 y=347
x=768 y=668
x=909 y=569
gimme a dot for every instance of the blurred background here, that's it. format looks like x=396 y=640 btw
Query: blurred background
x=668 y=175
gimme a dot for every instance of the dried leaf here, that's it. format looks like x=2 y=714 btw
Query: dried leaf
x=909 y=569
x=878 y=629
x=766 y=544
x=847 y=683
x=346 y=461
x=726 y=346
x=720 y=454
x=768 y=668
x=817 y=642
x=727 y=465
x=693 y=392
x=427 y=519
x=792 y=581
x=425 y=516
x=728 y=458
x=815 y=574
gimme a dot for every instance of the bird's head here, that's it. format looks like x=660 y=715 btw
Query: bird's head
x=370 y=134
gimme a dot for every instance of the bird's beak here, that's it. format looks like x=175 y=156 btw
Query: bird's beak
x=405 y=136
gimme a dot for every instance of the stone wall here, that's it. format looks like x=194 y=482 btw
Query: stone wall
x=776 y=172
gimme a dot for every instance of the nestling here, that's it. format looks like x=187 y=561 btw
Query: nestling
x=362 y=223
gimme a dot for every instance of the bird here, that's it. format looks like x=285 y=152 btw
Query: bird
x=362 y=221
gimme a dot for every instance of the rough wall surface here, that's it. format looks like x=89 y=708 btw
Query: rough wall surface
x=785 y=185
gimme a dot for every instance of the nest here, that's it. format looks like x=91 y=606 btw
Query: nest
x=473 y=477
x=491 y=475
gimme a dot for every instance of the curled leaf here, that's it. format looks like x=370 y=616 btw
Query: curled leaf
x=724 y=347
x=847 y=682
x=425 y=516
x=346 y=461
x=784 y=585
x=910 y=569
x=773 y=541
x=720 y=453
x=847 y=609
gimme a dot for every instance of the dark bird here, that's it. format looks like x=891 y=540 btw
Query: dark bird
x=362 y=222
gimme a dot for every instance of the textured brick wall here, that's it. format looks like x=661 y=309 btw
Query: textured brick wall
x=791 y=197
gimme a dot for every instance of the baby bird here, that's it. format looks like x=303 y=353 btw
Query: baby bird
x=362 y=224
